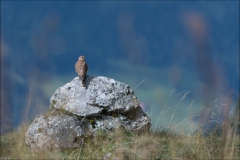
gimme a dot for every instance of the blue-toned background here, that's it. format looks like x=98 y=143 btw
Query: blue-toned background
x=173 y=54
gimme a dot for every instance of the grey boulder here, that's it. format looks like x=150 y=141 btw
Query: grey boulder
x=77 y=113
x=100 y=94
x=58 y=131
x=134 y=121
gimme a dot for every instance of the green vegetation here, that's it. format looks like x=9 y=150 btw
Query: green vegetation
x=162 y=144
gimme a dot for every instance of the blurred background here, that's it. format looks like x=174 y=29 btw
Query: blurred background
x=181 y=58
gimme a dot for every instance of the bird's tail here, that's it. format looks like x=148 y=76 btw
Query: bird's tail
x=83 y=78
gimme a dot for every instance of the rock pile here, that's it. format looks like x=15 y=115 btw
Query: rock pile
x=77 y=112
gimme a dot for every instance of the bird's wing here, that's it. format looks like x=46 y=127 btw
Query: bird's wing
x=81 y=68
x=77 y=67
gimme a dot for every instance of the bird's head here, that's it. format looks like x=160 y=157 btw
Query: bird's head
x=81 y=58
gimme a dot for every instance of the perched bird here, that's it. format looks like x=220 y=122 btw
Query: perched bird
x=81 y=68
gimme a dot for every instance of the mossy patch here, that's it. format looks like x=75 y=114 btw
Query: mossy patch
x=53 y=102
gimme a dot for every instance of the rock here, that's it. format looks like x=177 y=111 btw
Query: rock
x=135 y=121
x=108 y=156
x=55 y=132
x=100 y=94
x=78 y=112
x=140 y=122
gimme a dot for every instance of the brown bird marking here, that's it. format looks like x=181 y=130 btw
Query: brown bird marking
x=81 y=68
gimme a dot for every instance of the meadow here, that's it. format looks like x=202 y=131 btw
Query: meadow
x=158 y=143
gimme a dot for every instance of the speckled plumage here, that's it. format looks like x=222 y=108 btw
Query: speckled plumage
x=81 y=68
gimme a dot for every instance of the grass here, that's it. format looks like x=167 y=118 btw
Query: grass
x=161 y=144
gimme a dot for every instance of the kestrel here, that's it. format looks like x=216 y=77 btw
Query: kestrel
x=81 y=68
